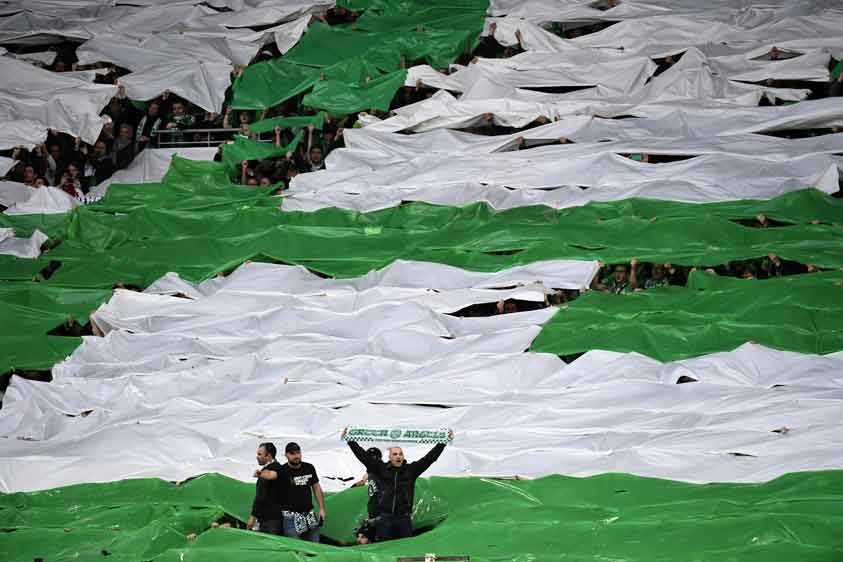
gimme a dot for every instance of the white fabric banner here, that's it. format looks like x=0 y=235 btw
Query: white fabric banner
x=12 y=192
x=55 y=101
x=44 y=201
x=557 y=177
x=26 y=248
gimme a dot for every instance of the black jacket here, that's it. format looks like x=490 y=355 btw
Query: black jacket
x=267 y=504
x=398 y=484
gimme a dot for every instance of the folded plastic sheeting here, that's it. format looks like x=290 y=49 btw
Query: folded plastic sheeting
x=626 y=517
x=38 y=96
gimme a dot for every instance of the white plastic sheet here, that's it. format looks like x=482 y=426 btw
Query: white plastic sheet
x=12 y=192
x=25 y=248
x=556 y=176
x=44 y=201
x=54 y=101
x=203 y=83
x=6 y=164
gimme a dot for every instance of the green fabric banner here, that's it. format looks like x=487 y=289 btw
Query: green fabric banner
x=323 y=46
x=247 y=149
x=30 y=310
x=389 y=36
x=266 y=125
x=711 y=314
x=605 y=517
x=340 y=98
x=266 y=84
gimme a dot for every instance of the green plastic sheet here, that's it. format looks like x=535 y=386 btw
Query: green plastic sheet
x=344 y=64
x=800 y=313
x=29 y=310
x=339 y=97
x=243 y=149
x=605 y=517
x=266 y=84
x=266 y=125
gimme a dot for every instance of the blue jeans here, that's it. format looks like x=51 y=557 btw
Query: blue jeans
x=271 y=526
x=290 y=531
x=390 y=527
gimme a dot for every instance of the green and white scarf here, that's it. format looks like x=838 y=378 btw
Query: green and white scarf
x=397 y=435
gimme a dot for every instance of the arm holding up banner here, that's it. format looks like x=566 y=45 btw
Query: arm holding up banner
x=419 y=466
x=361 y=455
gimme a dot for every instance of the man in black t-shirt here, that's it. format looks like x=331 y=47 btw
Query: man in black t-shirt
x=299 y=479
x=266 y=509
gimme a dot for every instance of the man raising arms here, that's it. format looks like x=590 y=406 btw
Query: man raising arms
x=398 y=479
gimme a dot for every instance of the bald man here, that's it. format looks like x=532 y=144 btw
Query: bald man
x=395 y=506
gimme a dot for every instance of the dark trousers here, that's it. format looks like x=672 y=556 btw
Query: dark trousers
x=393 y=527
x=271 y=526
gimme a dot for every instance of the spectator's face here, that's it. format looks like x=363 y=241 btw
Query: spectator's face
x=362 y=539
x=262 y=456
x=621 y=274
x=293 y=458
x=509 y=307
x=658 y=271
x=126 y=132
x=251 y=181
x=108 y=129
x=291 y=173
x=55 y=152
x=245 y=119
x=178 y=109
x=265 y=182
x=100 y=149
x=29 y=174
x=396 y=456
x=316 y=155
x=152 y=110
x=73 y=171
x=40 y=182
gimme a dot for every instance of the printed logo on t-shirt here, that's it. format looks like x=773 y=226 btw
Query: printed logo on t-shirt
x=301 y=480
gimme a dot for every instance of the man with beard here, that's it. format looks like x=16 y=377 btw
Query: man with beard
x=299 y=480
x=395 y=505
